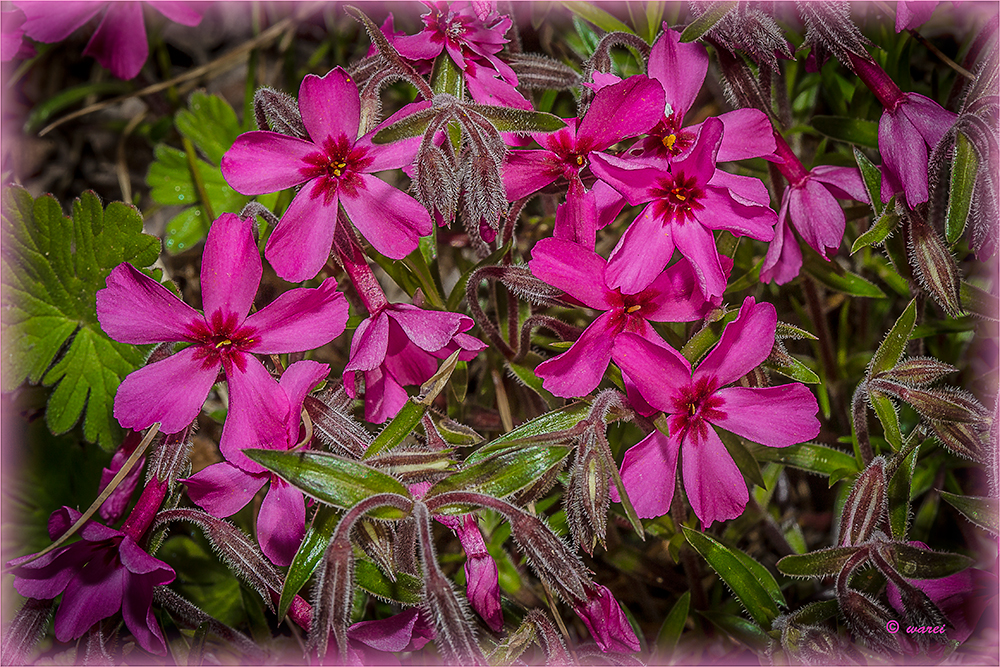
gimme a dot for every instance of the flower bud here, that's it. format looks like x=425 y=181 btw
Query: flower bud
x=869 y=621
x=586 y=500
x=934 y=265
x=279 y=112
x=865 y=507
x=918 y=371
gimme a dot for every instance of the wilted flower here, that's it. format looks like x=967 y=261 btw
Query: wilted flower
x=606 y=621
x=481 y=575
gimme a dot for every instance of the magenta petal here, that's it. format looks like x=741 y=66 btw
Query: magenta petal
x=680 y=69
x=578 y=370
x=745 y=344
x=300 y=244
x=607 y=623
x=137 y=610
x=636 y=180
x=119 y=43
x=384 y=397
x=911 y=13
x=222 y=489
x=481 y=574
x=398 y=154
x=44 y=25
x=625 y=109
x=743 y=189
x=230 y=268
x=281 y=523
x=258 y=410
x=845 y=181
x=92 y=595
x=48 y=576
x=904 y=154
x=698 y=245
x=699 y=163
x=675 y=296
x=609 y=203
x=298 y=379
x=486 y=86
x=429 y=330
x=185 y=13
x=390 y=219
x=171 y=392
x=330 y=106
x=658 y=372
x=784 y=258
x=138 y=561
x=129 y=291
x=748 y=134
x=528 y=171
x=260 y=162
x=641 y=254
x=404 y=631
x=714 y=485
x=300 y=319
x=648 y=473
x=725 y=211
x=370 y=343
x=773 y=416
x=817 y=216
x=574 y=269
x=930 y=118
x=576 y=218
x=405 y=362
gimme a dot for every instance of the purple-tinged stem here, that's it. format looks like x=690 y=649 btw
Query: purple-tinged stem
x=873 y=76
x=145 y=509
x=357 y=267
x=792 y=168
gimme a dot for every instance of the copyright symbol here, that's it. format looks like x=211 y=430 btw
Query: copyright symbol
x=892 y=626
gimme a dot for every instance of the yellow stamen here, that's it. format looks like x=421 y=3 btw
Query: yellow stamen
x=222 y=343
x=692 y=408
x=579 y=160
x=670 y=140
x=632 y=309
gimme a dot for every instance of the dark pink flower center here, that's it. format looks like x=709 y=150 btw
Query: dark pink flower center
x=696 y=406
x=679 y=197
x=222 y=340
x=337 y=166
x=668 y=139
x=630 y=310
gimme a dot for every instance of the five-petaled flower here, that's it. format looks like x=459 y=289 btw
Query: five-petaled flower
x=336 y=166
x=136 y=309
x=698 y=401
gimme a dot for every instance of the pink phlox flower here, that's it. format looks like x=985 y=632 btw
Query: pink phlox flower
x=375 y=642
x=103 y=573
x=685 y=202
x=810 y=206
x=223 y=489
x=698 y=401
x=472 y=34
x=606 y=621
x=12 y=44
x=673 y=296
x=336 y=167
x=119 y=43
x=136 y=309
x=482 y=578
x=619 y=111
x=680 y=68
x=905 y=133
x=116 y=504
x=913 y=13
x=399 y=345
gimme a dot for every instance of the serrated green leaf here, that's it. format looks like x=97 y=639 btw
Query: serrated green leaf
x=807 y=456
x=886 y=413
x=837 y=278
x=822 y=563
x=509 y=119
x=52 y=268
x=550 y=422
x=706 y=21
x=406 y=590
x=331 y=479
x=852 y=130
x=504 y=473
x=307 y=558
x=597 y=16
x=893 y=345
x=872 y=178
x=878 y=232
x=982 y=511
x=210 y=123
x=964 y=166
x=744 y=584
x=673 y=625
x=916 y=563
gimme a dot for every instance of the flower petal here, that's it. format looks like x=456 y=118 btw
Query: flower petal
x=119 y=43
x=930 y=118
x=281 y=523
x=171 y=392
x=185 y=13
x=429 y=330
x=300 y=319
x=698 y=245
x=330 y=106
x=724 y=210
x=384 y=397
x=528 y=171
x=783 y=260
x=44 y=25
x=904 y=154
x=258 y=410
x=222 y=489
x=405 y=631
x=260 y=162
x=572 y=268
x=137 y=561
x=576 y=218
x=675 y=296
x=405 y=362
x=748 y=134
x=712 y=481
x=845 y=181
x=137 y=610
x=680 y=68
x=745 y=344
x=92 y=595
x=300 y=244
x=162 y=317
x=390 y=219
x=641 y=254
x=660 y=373
x=578 y=370
x=648 y=473
x=773 y=416
x=637 y=180
x=370 y=343
x=817 y=216
x=230 y=268
x=744 y=189
x=625 y=109
x=699 y=163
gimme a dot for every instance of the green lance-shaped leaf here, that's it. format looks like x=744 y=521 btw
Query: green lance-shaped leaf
x=893 y=345
x=673 y=625
x=310 y=553
x=534 y=430
x=503 y=474
x=879 y=232
x=407 y=589
x=807 y=456
x=899 y=496
x=836 y=277
x=509 y=119
x=745 y=585
x=982 y=511
x=886 y=413
x=412 y=125
x=979 y=302
x=331 y=479
x=964 y=166
x=822 y=563
x=872 y=178
x=852 y=130
x=52 y=267
x=413 y=410
x=740 y=629
x=706 y=21
x=792 y=368
x=916 y=563
x=597 y=16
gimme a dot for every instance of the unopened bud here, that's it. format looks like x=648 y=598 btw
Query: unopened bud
x=865 y=507
x=377 y=539
x=918 y=371
x=436 y=183
x=934 y=265
x=948 y=404
x=279 y=112
x=587 y=500
x=868 y=621
x=966 y=440
x=550 y=558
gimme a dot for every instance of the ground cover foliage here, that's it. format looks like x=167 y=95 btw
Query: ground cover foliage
x=500 y=333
